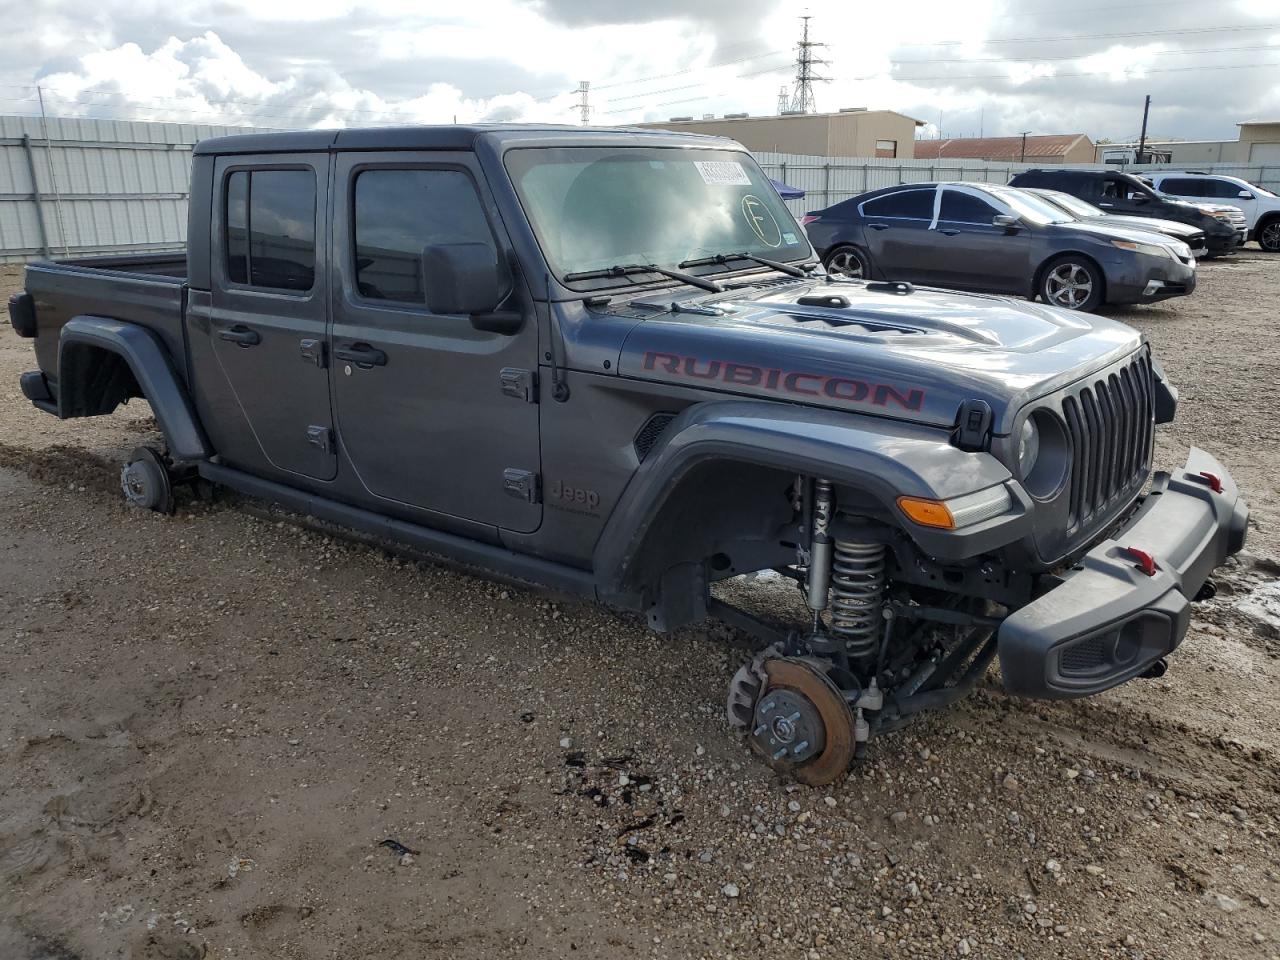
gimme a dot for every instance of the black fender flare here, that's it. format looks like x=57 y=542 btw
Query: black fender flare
x=153 y=370
x=885 y=458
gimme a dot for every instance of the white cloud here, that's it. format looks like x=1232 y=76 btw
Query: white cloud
x=332 y=62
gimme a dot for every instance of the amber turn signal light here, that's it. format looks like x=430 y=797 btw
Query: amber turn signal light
x=927 y=513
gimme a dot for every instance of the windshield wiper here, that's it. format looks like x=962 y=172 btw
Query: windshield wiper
x=627 y=269
x=724 y=258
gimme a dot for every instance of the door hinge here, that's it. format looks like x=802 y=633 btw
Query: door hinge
x=321 y=438
x=522 y=484
x=313 y=351
x=520 y=384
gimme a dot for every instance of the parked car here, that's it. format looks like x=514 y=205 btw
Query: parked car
x=1193 y=237
x=604 y=362
x=997 y=239
x=1261 y=207
x=1224 y=226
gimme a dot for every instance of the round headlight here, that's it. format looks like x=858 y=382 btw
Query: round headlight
x=1028 y=447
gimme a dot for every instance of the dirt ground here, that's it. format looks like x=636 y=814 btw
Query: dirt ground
x=224 y=735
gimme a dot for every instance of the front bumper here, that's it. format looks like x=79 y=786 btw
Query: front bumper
x=1149 y=280
x=1109 y=621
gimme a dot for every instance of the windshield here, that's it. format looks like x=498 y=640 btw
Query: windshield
x=1030 y=207
x=1075 y=205
x=593 y=208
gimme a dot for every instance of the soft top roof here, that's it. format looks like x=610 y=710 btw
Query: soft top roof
x=446 y=137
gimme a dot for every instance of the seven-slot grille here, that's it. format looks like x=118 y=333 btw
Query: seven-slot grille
x=1111 y=424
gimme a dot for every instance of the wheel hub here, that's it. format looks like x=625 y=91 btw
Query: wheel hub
x=145 y=481
x=788 y=727
x=802 y=725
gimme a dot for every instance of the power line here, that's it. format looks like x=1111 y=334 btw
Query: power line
x=1107 y=36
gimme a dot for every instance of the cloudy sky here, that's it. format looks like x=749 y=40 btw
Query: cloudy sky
x=995 y=66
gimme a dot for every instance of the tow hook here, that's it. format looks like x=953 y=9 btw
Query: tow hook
x=1156 y=670
x=1208 y=590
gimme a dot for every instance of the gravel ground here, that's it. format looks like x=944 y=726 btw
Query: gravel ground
x=226 y=735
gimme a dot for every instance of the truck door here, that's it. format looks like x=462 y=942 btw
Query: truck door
x=268 y=310
x=433 y=412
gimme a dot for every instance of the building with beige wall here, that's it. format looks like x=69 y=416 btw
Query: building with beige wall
x=1259 y=142
x=846 y=133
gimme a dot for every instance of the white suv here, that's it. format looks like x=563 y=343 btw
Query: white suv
x=1261 y=207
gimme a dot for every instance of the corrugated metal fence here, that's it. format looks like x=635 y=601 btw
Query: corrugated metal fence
x=76 y=187
x=72 y=186
x=828 y=180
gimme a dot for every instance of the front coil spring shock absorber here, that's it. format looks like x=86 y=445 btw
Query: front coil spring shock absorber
x=857 y=596
x=820 y=551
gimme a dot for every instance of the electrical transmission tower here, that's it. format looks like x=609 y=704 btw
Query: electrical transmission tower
x=784 y=99
x=802 y=101
x=584 y=104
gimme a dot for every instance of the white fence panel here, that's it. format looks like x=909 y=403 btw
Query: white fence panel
x=112 y=186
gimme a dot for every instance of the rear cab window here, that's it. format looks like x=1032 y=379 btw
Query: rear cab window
x=270 y=222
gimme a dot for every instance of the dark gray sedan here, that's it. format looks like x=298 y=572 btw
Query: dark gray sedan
x=997 y=239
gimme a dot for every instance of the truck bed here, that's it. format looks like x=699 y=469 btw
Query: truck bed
x=146 y=289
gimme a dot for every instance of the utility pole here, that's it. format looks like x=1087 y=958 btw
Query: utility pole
x=803 y=101
x=584 y=104
x=1024 y=146
x=1142 y=140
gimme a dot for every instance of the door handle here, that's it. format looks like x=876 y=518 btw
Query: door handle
x=949 y=232
x=878 y=226
x=240 y=334
x=1107 y=205
x=361 y=354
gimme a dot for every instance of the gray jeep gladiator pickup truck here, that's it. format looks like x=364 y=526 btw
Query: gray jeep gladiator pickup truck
x=607 y=362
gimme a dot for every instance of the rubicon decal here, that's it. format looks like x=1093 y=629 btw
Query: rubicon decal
x=795 y=383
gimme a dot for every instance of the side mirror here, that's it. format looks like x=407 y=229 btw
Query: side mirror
x=468 y=278
x=1141 y=198
x=1245 y=195
x=1005 y=221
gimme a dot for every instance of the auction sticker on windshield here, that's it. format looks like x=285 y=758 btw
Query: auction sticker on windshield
x=722 y=173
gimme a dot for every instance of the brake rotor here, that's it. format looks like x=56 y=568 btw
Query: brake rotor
x=802 y=725
x=145 y=481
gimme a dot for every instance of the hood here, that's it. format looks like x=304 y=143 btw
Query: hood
x=1168 y=227
x=914 y=356
x=1108 y=230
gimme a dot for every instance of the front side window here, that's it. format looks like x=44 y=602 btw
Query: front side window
x=595 y=208
x=960 y=207
x=1223 y=190
x=271 y=228
x=400 y=212
x=903 y=205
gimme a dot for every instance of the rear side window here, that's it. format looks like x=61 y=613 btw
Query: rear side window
x=960 y=207
x=271 y=228
x=397 y=214
x=904 y=205
x=1183 y=187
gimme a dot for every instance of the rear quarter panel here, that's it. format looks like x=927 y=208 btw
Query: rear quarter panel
x=63 y=291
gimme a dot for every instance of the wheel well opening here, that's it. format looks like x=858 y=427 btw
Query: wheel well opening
x=1038 y=286
x=93 y=381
